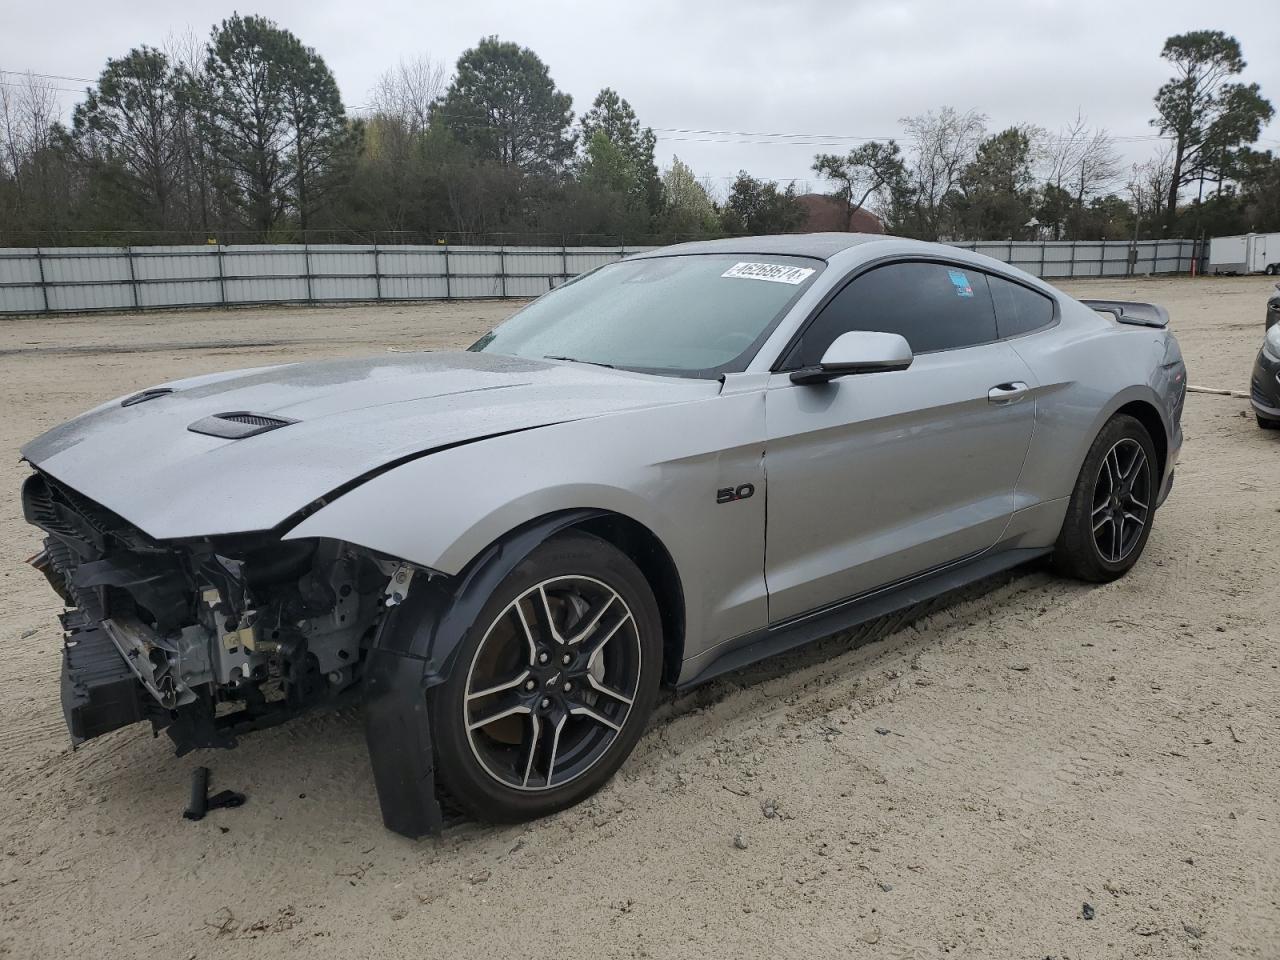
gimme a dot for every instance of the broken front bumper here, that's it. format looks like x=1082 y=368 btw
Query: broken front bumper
x=103 y=688
x=99 y=691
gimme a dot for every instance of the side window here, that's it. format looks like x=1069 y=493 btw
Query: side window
x=1019 y=309
x=934 y=305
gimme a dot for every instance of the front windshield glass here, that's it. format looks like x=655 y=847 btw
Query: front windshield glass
x=692 y=315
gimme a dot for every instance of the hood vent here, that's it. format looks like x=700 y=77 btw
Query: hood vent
x=238 y=425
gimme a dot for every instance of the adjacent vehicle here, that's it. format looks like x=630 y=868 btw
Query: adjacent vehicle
x=1264 y=385
x=663 y=470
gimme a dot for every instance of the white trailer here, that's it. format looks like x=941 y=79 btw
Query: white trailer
x=1248 y=253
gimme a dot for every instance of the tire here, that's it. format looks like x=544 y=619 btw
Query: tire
x=1101 y=550
x=1266 y=424
x=1271 y=270
x=512 y=752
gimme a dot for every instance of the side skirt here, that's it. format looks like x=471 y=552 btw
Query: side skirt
x=788 y=635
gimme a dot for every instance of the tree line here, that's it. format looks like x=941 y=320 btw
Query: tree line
x=245 y=137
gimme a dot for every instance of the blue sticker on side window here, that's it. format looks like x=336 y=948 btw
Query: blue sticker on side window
x=961 y=283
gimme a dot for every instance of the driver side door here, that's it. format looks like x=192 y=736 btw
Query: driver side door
x=876 y=477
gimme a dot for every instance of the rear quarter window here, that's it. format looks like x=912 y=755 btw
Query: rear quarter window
x=1019 y=309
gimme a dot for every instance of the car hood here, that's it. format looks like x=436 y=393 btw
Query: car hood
x=352 y=418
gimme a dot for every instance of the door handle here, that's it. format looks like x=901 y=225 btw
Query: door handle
x=1007 y=393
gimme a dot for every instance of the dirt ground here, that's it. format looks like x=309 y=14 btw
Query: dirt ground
x=961 y=787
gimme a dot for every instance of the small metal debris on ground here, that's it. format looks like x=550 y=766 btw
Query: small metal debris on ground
x=883 y=731
x=886 y=887
x=1086 y=911
x=201 y=803
x=739 y=841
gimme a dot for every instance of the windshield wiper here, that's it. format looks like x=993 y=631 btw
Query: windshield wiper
x=594 y=363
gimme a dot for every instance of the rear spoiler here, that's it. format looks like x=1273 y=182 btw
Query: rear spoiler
x=1131 y=311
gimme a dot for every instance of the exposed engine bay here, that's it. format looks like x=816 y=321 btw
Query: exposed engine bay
x=206 y=638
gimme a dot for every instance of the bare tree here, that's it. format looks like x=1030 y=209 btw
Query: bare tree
x=943 y=144
x=406 y=92
x=28 y=112
x=395 y=173
x=1081 y=164
x=28 y=130
x=186 y=51
x=1148 y=188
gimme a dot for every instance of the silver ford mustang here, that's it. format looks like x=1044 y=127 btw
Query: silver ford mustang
x=662 y=470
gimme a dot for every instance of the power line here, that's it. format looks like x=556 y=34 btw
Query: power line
x=23 y=86
x=702 y=135
x=47 y=76
x=743 y=133
x=822 y=139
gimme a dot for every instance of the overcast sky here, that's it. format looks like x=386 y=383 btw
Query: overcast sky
x=837 y=70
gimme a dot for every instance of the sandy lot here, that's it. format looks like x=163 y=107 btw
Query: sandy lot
x=1050 y=744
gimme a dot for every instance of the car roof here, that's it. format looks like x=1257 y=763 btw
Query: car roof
x=820 y=245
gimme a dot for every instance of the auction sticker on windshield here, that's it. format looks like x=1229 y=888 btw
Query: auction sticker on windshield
x=773 y=272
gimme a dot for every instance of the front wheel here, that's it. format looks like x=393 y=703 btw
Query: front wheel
x=552 y=688
x=1109 y=516
x=1267 y=424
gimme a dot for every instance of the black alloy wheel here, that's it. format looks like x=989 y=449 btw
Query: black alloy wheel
x=1112 y=505
x=1121 y=500
x=551 y=689
x=552 y=683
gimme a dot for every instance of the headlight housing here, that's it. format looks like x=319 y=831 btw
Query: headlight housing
x=1271 y=344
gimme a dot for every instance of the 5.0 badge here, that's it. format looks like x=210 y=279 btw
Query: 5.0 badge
x=730 y=494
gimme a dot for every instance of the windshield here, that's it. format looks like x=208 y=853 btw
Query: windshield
x=692 y=315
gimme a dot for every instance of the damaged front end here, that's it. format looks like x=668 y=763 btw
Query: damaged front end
x=206 y=639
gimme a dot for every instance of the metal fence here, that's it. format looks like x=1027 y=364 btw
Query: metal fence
x=1072 y=259
x=77 y=279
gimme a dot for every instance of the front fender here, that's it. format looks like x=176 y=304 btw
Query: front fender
x=660 y=467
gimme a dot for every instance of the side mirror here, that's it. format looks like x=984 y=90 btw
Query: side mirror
x=858 y=351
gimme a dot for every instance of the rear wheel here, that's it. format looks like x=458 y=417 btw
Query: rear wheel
x=554 y=684
x=1109 y=517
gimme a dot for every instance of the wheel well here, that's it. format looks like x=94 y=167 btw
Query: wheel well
x=1147 y=415
x=648 y=553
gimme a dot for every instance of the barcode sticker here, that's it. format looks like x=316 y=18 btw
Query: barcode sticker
x=773 y=272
